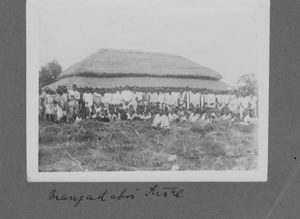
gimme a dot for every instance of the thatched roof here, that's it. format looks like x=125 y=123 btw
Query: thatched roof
x=140 y=82
x=128 y=63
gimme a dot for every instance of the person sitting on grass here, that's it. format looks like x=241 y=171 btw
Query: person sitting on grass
x=98 y=107
x=123 y=115
x=184 y=116
x=249 y=119
x=194 y=117
x=226 y=116
x=161 y=121
x=106 y=117
x=136 y=116
x=146 y=116
x=203 y=118
x=213 y=117
x=129 y=114
x=173 y=117
x=235 y=118
x=113 y=112
x=96 y=115
x=78 y=118
x=114 y=116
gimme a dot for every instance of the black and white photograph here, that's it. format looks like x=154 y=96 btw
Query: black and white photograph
x=147 y=90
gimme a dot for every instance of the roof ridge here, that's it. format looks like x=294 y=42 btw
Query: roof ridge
x=135 y=52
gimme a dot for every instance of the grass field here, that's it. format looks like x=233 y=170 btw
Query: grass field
x=130 y=146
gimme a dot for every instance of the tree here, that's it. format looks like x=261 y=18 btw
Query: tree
x=247 y=85
x=49 y=73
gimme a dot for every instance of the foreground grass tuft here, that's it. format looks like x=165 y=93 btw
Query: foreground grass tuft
x=131 y=146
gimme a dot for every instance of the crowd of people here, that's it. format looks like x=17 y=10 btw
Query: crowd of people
x=161 y=108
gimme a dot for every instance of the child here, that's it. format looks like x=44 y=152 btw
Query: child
x=194 y=117
x=129 y=115
x=203 y=118
x=123 y=115
x=78 y=118
x=146 y=116
x=136 y=116
x=58 y=113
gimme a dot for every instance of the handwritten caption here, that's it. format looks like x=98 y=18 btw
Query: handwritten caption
x=151 y=192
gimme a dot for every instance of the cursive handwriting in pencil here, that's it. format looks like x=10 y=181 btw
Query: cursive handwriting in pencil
x=150 y=192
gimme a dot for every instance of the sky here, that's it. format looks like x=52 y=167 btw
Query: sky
x=227 y=36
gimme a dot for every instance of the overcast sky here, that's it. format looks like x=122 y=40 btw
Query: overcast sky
x=227 y=36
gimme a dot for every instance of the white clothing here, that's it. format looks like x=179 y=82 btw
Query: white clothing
x=182 y=98
x=116 y=98
x=126 y=95
x=146 y=117
x=78 y=119
x=161 y=97
x=97 y=98
x=248 y=120
x=253 y=102
x=134 y=104
x=139 y=96
x=183 y=118
x=169 y=99
x=234 y=104
x=98 y=109
x=173 y=117
x=106 y=98
x=88 y=99
x=73 y=95
x=244 y=102
x=194 y=117
x=174 y=98
x=211 y=99
x=203 y=117
x=154 y=98
x=226 y=117
x=195 y=99
x=128 y=116
x=161 y=121
x=49 y=104
x=59 y=112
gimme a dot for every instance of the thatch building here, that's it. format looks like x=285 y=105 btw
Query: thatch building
x=109 y=68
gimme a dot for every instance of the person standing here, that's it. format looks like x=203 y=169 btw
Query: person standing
x=74 y=97
x=49 y=105
x=42 y=104
x=88 y=99
x=64 y=103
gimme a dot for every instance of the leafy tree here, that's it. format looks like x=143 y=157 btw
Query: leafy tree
x=247 y=85
x=49 y=73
